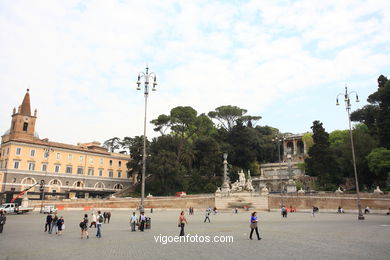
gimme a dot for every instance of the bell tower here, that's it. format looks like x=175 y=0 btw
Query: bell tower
x=23 y=122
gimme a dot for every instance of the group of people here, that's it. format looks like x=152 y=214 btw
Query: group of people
x=340 y=210
x=54 y=224
x=96 y=221
x=137 y=221
x=191 y=211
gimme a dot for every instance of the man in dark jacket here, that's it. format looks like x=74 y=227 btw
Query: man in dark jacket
x=3 y=218
x=49 y=219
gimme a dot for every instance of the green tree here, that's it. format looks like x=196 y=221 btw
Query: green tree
x=112 y=144
x=228 y=115
x=379 y=164
x=321 y=162
x=376 y=115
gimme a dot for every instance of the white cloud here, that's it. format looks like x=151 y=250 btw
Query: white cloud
x=81 y=59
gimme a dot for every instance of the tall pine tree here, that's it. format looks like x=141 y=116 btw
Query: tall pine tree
x=321 y=162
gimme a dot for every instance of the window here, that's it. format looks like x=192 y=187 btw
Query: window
x=100 y=172
x=70 y=157
x=32 y=153
x=1 y=164
x=119 y=174
x=79 y=170
x=46 y=154
x=44 y=167
x=67 y=183
x=110 y=174
x=31 y=166
x=90 y=171
x=57 y=168
x=101 y=161
x=120 y=164
x=18 y=151
x=118 y=186
x=68 y=169
x=6 y=164
x=91 y=160
x=55 y=182
x=110 y=162
x=81 y=158
x=16 y=164
x=58 y=156
x=25 y=126
x=7 y=150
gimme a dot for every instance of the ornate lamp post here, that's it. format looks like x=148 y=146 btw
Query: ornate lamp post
x=146 y=76
x=347 y=102
x=42 y=185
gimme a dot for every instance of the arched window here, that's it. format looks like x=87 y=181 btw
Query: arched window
x=99 y=185
x=118 y=186
x=78 y=184
x=28 y=182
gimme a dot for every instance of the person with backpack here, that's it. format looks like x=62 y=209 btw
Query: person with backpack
x=100 y=220
x=84 y=226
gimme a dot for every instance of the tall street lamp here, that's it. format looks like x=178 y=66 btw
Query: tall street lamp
x=146 y=76
x=347 y=102
x=42 y=185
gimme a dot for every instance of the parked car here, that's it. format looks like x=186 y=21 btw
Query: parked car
x=49 y=209
x=10 y=208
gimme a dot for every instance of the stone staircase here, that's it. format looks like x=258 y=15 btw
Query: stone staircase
x=241 y=200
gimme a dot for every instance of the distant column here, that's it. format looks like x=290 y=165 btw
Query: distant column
x=294 y=146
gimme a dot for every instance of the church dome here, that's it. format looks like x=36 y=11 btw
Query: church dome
x=7 y=132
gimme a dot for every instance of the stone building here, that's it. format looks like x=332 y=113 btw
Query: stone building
x=276 y=176
x=81 y=170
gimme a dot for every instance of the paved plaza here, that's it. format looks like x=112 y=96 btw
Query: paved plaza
x=300 y=236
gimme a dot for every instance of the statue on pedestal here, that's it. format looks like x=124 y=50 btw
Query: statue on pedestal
x=241 y=178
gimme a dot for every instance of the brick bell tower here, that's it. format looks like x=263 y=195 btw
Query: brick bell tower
x=23 y=123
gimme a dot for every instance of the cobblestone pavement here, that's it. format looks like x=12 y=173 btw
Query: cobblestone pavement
x=300 y=236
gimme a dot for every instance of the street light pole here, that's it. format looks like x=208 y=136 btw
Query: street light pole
x=347 y=102
x=146 y=76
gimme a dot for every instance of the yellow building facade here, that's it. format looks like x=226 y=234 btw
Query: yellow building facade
x=84 y=170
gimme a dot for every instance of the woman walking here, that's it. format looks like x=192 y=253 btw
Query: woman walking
x=60 y=225
x=254 y=226
x=54 y=226
x=182 y=222
x=93 y=221
x=84 y=226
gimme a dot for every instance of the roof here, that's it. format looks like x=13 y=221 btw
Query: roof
x=26 y=107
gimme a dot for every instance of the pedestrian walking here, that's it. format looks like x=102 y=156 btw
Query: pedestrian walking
x=253 y=226
x=367 y=210
x=54 y=226
x=108 y=214
x=99 y=222
x=142 y=220
x=84 y=226
x=182 y=222
x=60 y=225
x=3 y=218
x=105 y=217
x=49 y=219
x=93 y=220
x=284 y=212
x=314 y=210
x=133 y=222
x=207 y=216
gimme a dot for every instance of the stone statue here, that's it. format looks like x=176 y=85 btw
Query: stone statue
x=241 y=178
x=249 y=186
x=235 y=186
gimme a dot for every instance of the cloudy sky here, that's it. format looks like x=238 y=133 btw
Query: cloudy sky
x=283 y=60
